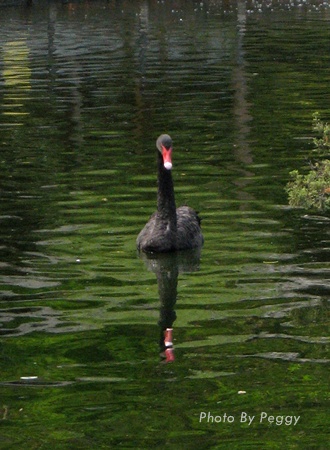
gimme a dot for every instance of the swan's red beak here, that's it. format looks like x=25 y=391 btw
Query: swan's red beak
x=167 y=157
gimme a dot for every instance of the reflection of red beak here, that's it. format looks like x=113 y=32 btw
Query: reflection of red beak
x=169 y=354
x=168 y=341
x=167 y=157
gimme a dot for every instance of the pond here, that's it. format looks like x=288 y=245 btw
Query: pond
x=85 y=89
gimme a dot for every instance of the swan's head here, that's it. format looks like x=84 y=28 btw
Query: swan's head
x=164 y=144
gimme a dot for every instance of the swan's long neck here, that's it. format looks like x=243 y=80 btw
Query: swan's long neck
x=165 y=198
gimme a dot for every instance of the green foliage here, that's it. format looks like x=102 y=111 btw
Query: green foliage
x=322 y=142
x=312 y=191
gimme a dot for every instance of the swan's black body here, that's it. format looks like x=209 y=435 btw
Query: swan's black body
x=169 y=229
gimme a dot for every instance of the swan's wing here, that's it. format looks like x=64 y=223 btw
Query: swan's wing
x=189 y=233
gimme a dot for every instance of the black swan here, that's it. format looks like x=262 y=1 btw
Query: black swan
x=169 y=229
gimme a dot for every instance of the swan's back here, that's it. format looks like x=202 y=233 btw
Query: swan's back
x=157 y=236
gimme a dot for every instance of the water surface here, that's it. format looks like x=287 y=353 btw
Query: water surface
x=85 y=89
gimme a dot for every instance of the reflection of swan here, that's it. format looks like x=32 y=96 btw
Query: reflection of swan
x=169 y=228
x=167 y=268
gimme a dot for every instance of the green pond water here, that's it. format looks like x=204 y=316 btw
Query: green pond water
x=85 y=89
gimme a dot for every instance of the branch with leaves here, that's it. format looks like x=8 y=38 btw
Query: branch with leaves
x=312 y=191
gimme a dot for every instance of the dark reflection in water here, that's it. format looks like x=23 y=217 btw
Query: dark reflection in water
x=167 y=268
